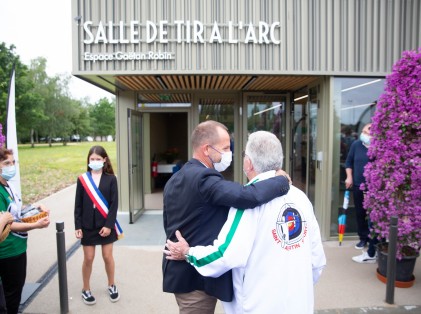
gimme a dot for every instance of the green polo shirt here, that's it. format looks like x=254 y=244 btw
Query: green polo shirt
x=14 y=244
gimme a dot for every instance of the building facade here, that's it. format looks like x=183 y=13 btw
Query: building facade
x=310 y=71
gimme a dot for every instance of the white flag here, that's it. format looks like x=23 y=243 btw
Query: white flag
x=11 y=136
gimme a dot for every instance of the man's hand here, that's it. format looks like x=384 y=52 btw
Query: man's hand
x=280 y=172
x=177 y=250
x=348 y=182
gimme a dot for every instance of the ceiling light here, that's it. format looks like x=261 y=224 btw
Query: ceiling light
x=361 y=85
x=302 y=97
x=271 y=108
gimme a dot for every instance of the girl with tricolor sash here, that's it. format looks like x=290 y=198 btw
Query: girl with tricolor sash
x=96 y=223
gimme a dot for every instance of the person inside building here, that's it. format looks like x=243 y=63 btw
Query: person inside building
x=196 y=202
x=355 y=163
x=354 y=167
x=275 y=250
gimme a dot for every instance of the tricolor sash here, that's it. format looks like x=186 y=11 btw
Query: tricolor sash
x=98 y=199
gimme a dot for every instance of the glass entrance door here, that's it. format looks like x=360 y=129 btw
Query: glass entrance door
x=136 y=191
x=304 y=159
x=267 y=113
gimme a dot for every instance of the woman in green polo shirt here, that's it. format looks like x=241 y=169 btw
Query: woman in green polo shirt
x=13 y=248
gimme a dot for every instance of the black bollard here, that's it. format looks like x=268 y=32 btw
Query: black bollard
x=62 y=271
x=391 y=260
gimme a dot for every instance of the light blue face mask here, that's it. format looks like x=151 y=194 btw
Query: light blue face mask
x=96 y=165
x=8 y=172
x=365 y=139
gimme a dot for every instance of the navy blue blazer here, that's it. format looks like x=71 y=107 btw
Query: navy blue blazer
x=196 y=202
x=86 y=215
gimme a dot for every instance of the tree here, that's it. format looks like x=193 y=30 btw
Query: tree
x=102 y=116
x=46 y=88
x=23 y=100
x=81 y=121
x=30 y=111
x=58 y=108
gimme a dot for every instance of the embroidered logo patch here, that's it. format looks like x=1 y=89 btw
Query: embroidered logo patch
x=291 y=227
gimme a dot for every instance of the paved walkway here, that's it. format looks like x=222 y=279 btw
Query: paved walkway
x=345 y=287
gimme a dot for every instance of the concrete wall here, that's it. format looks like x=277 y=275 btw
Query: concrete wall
x=309 y=37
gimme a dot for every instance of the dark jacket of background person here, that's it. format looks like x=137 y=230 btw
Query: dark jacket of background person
x=356 y=160
x=88 y=217
x=196 y=202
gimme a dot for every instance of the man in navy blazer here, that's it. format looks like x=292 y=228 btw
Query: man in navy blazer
x=196 y=202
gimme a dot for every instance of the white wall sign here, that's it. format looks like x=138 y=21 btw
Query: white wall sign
x=178 y=32
x=184 y=31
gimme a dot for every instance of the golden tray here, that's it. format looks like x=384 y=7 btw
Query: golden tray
x=35 y=218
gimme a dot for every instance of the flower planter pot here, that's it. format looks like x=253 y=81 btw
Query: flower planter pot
x=404 y=267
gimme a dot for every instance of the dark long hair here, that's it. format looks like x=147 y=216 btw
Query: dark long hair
x=99 y=150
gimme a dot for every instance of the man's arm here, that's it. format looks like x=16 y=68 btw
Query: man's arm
x=220 y=192
x=349 y=165
x=230 y=250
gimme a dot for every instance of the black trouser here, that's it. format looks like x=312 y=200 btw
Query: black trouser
x=361 y=214
x=13 y=275
x=371 y=251
x=3 y=309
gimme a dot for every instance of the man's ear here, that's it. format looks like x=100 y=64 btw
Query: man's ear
x=248 y=164
x=205 y=149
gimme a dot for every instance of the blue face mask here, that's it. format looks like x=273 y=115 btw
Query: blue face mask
x=96 y=165
x=8 y=172
x=365 y=139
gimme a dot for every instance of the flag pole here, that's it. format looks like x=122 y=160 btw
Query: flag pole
x=11 y=134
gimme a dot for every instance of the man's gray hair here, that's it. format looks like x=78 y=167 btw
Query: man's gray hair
x=265 y=151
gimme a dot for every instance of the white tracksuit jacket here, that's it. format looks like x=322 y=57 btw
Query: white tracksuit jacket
x=275 y=251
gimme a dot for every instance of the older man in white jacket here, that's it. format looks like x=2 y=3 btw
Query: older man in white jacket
x=275 y=250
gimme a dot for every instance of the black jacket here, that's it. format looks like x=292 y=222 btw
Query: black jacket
x=88 y=217
x=196 y=202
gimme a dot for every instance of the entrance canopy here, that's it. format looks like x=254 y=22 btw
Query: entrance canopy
x=162 y=83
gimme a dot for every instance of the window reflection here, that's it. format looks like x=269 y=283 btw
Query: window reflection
x=355 y=101
x=267 y=113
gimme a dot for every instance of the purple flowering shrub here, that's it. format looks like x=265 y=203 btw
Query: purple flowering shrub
x=393 y=179
x=2 y=137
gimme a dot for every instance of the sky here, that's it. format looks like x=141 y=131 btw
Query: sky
x=42 y=28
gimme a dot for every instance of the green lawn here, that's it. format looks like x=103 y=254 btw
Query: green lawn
x=45 y=170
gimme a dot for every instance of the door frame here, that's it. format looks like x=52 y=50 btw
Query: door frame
x=147 y=161
x=323 y=176
x=135 y=213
